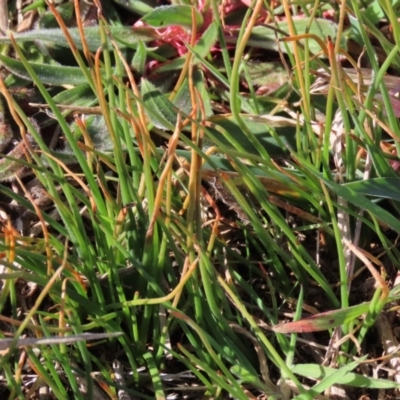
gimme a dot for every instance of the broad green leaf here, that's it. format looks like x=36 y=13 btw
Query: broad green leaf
x=173 y=15
x=319 y=372
x=388 y=188
x=182 y=100
x=125 y=35
x=323 y=321
x=36 y=5
x=274 y=136
x=265 y=36
x=81 y=95
x=374 y=12
x=97 y=129
x=269 y=75
x=56 y=75
x=161 y=112
x=137 y=6
x=47 y=20
x=207 y=41
x=139 y=59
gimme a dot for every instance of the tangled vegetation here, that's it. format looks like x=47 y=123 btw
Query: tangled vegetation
x=199 y=200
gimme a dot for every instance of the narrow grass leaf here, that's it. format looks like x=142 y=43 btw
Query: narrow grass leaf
x=155 y=376
x=362 y=202
x=203 y=91
x=45 y=370
x=319 y=372
x=248 y=377
x=33 y=342
x=388 y=188
x=204 y=338
x=323 y=321
x=331 y=380
x=217 y=378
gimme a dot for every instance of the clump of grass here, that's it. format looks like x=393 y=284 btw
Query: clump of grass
x=196 y=217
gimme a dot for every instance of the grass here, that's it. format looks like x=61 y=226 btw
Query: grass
x=192 y=213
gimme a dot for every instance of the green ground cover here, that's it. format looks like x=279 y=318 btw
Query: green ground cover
x=199 y=200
